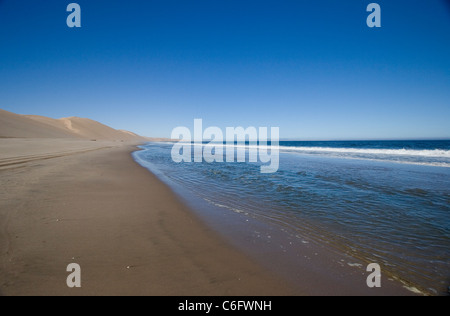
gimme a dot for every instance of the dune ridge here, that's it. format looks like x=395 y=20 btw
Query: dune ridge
x=34 y=126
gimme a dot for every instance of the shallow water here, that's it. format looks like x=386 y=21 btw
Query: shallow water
x=383 y=202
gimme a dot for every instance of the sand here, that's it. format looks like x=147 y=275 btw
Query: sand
x=84 y=202
x=34 y=126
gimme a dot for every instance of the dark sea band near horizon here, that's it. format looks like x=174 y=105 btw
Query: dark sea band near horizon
x=380 y=201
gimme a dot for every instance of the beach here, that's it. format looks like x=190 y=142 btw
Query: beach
x=196 y=149
x=137 y=223
x=76 y=201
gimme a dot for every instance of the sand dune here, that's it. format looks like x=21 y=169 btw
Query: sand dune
x=34 y=126
x=18 y=126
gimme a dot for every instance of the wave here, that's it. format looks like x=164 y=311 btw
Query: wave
x=426 y=157
x=435 y=153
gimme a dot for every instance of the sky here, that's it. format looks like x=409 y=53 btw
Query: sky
x=312 y=68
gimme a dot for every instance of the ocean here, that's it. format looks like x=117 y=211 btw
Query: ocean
x=386 y=202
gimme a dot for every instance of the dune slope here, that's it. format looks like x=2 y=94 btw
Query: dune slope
x=34 y=126
x=19 y=126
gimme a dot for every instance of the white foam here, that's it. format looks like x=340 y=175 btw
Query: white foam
x=425 y=157
x=358 y=265
x=413 y=289
x=435 y=153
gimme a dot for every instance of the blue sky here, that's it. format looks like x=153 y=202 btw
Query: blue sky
x=312 y=68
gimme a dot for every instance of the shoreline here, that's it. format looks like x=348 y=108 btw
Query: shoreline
x=126 y=229
x=93 y=204
x=310 y=267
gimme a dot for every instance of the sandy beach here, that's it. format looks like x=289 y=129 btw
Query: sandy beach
x=294 y=148
x=76 y=201
x=80 y=197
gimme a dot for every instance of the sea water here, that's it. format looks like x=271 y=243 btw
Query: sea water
x=386 y=202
